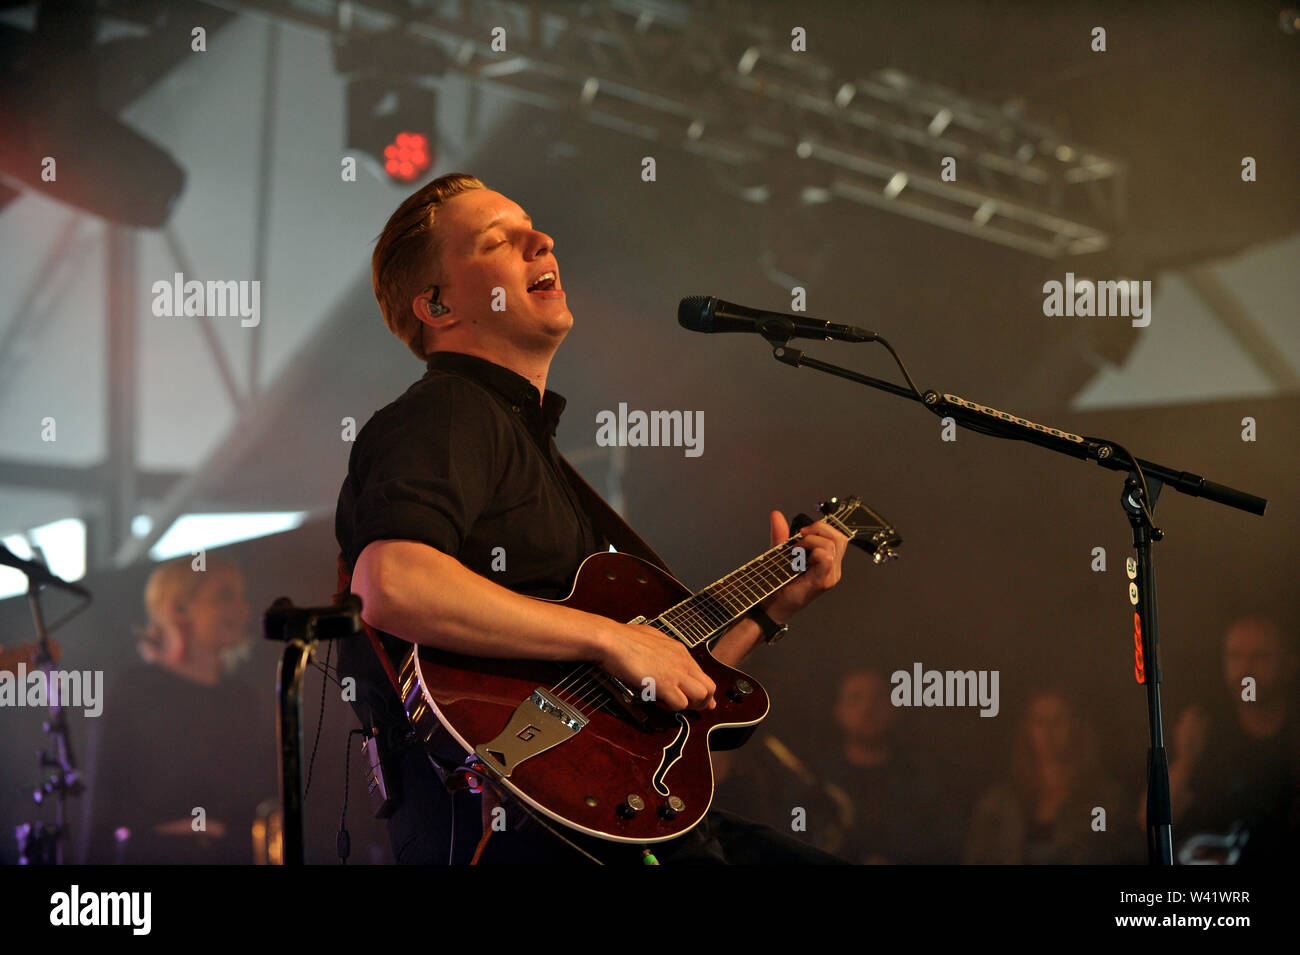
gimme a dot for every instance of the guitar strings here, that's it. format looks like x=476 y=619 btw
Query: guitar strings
x=747 y=581
x=693 y=618
x=700 y=619
x=752 y=572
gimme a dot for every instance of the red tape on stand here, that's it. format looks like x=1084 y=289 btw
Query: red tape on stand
x=1139 y=665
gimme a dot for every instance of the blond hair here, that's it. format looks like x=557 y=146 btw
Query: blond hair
x=406 y=257
x=170 y=589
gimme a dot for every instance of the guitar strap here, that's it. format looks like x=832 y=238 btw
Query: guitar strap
x=608 y=521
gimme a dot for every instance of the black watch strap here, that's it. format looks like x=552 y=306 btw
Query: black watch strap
x=772 y=631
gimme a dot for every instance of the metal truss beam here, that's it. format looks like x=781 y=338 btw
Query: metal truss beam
x=712 y=79
x=86 y=480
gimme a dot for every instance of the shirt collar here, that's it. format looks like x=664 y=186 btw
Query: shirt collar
x=517 y=390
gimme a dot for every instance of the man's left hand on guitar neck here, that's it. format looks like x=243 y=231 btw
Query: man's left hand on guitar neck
x=825 y=548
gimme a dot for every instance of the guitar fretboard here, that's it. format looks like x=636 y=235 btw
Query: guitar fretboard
x=703 y=615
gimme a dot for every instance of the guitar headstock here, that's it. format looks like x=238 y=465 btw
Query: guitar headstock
x=864 y=527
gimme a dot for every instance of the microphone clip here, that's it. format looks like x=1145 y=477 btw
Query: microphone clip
x=777 y=331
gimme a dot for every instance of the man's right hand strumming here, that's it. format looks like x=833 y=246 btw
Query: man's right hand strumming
x=637 y=652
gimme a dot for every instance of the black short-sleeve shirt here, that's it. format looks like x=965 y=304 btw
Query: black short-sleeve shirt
x=466 y=462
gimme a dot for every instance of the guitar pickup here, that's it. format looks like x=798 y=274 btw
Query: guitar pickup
x=625 y=697
x=622 y=694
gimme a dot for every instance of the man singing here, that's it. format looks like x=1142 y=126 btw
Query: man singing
x=465 y=462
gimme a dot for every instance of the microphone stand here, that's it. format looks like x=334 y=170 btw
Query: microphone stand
x=39 y=844
x=299 y=628
x=1142 y=485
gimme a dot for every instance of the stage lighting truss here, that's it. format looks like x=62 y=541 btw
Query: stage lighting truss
x=716 y=80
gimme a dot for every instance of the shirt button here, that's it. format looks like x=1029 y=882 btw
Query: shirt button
x=514 y=407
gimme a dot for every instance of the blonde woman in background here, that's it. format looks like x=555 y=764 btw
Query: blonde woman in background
x=198 y=621
x=185 y=749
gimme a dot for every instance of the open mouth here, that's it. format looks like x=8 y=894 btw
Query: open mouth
x=544 y=283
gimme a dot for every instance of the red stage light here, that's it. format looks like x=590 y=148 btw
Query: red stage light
x=407 y=156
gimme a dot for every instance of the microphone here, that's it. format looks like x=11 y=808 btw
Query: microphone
x=38 y=572
x=706 y=314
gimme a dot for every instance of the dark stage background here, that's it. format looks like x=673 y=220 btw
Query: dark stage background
x=996 y=566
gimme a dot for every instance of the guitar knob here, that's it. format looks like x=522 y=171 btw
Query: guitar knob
x=630 y=806
x=739 y=690
x=672 y=808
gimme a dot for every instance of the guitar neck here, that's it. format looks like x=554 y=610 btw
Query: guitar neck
x=703 y=615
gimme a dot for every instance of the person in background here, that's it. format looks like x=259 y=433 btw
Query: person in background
x=184 y=751
x=1047 y=812
x=902 y=812
x=1235 y=766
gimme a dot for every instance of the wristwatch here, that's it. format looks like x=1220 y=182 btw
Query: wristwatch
x=772 y=631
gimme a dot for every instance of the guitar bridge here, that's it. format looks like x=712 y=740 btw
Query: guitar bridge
x=538 y=723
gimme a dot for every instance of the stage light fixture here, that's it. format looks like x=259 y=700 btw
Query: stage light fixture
x=393 y=120
x=407 y=156
x=58 y=143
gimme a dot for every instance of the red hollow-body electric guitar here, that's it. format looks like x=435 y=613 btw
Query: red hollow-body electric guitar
x=585 y=749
